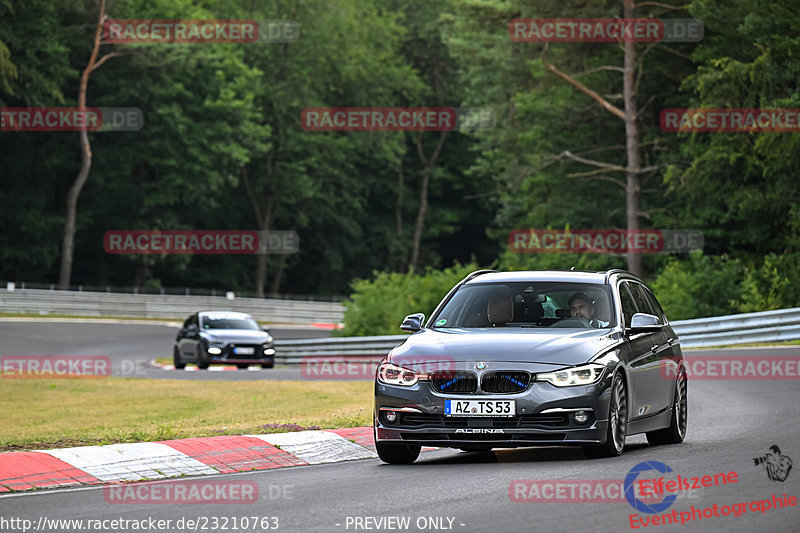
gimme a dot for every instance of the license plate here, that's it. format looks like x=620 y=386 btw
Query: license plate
x=497 y=408
x=244 y=351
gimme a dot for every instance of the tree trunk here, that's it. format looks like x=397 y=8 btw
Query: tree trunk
x=276 y=283
x=264 y=218
x=629 y=115
x=68 y=242
x=261 y=263
x=632 y=189
x=427 y=169
x=398 y=206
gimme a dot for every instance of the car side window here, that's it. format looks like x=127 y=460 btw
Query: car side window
x=628 y=305
x=193 y=320
x=642 y=302
x=187 y=322
x=656 y=306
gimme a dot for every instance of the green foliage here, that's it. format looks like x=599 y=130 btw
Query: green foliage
x=378 y=306
x=217 y=113
x=699 y=286
x=773 y=285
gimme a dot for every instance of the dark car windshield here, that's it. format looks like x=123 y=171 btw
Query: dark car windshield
x=529 y=304
x=223 y=322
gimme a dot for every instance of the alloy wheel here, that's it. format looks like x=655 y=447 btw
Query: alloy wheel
x=619 y=414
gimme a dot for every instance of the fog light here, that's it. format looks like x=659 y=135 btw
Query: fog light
x=214 y=351
x=391 y=416
x=269 y=351
x=581 y=417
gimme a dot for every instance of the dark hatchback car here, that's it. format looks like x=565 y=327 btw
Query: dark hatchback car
x=211 y=337
x=512 y=359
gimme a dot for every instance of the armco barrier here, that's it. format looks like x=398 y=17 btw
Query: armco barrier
x=100 y=304
x=767 y=326
x=293 y=351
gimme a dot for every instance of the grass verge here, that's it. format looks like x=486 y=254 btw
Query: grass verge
x=51 y=413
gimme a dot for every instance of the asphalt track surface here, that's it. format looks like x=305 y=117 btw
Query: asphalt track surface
x=130 y=347
x=730 y=423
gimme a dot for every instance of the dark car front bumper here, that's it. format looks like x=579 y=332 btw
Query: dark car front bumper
x=543 y=417
x=257 y=357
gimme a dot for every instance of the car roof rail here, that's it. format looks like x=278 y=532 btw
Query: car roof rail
x=622 y=271
x=473 y=275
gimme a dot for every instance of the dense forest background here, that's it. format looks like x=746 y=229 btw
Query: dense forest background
x=223 y=148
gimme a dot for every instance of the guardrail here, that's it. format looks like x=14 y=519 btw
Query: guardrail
x=100 y=304
x=767 y=326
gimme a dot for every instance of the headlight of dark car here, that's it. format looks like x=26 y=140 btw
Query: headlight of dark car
x=578 y=375
x=268 y=349
x=569 y=377
x=392 y=374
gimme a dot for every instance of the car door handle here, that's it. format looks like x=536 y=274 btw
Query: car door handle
x=670 y=341
x=653 y=348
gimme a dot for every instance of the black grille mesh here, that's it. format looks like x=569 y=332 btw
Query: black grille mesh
x=505 y=382
x=455 y=382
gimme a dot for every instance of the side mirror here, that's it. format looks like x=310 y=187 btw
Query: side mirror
x=192 y=328
x=644 y=323
x=413 y=323
x=265 y=330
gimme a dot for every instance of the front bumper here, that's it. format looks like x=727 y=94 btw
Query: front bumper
x=227 y=355
x=543 y=417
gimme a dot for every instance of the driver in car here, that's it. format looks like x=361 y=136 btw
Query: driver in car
x=581 y=306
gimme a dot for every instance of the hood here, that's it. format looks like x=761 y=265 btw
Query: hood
x=560 y=347
x=244 y=336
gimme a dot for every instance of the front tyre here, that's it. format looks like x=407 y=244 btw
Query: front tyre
x=398 y=454
x=676 y=432
x=177 y=362
x=202 y=358
x=617 y=423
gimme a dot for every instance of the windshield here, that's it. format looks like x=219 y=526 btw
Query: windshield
x=223 y=322
x=528 y=304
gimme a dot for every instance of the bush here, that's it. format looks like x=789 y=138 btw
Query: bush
x=699 y=286
x=377 y=307
x=773 y=285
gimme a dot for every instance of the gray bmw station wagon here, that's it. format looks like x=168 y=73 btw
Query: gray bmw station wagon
x=548 y=358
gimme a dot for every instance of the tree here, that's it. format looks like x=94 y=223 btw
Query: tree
x=549 y=125
x=68 y=244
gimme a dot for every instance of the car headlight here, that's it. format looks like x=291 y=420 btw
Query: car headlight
x=569 y=377
x=392 y=374
x=268 y=350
